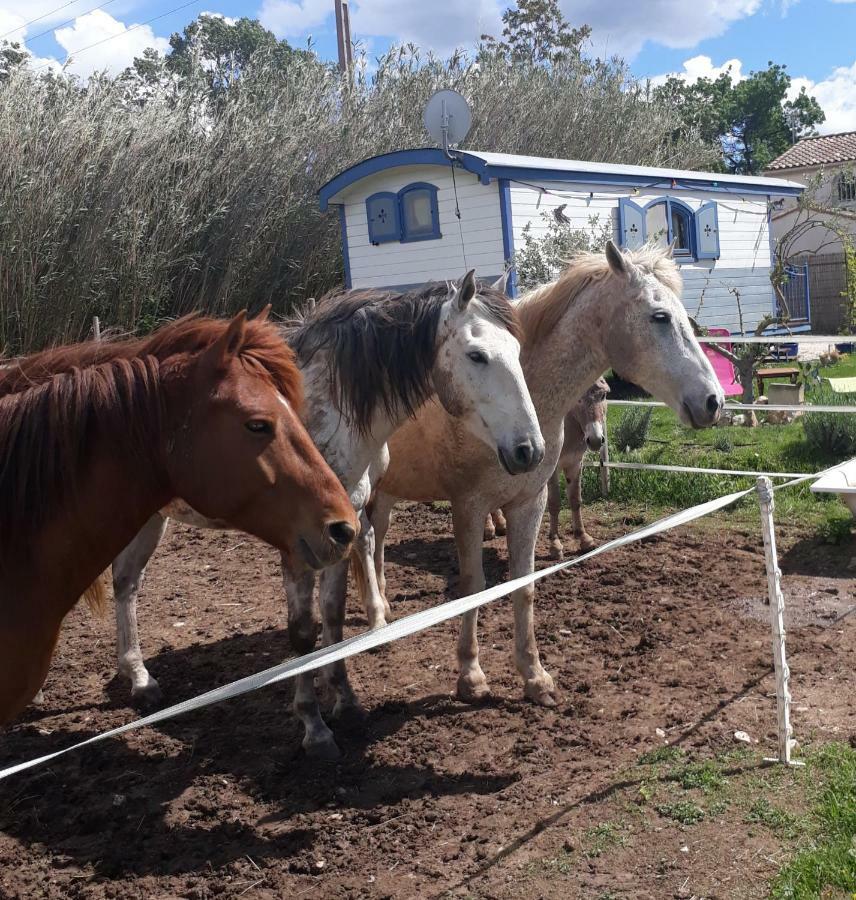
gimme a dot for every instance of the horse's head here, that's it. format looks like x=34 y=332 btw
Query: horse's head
x=477 y=374
x=240 y=453
x=590 y=414
x=650 y=339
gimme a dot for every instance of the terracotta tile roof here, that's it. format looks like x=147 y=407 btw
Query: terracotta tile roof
x=818 y=151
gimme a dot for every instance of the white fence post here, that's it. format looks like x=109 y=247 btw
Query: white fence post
x=777 y=622
x=604 y=455
x=96 y=328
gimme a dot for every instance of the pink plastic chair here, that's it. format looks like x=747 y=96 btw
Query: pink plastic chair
x=723 y=367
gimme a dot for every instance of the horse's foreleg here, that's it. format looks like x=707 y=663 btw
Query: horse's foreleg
x=554 y=507
x=318 y=740
x=332 y=594
x=363 y=564
x=468 y=524
x=499 y=522
x=129 y=570
x=489 y=528
x=574 y=477
x=381 y=514
x=523 y=524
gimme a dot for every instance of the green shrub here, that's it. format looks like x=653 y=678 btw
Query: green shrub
x=723 y=442
x=831 y=434
x=632 y=429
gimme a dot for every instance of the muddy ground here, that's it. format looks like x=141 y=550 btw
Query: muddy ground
x=665 y=641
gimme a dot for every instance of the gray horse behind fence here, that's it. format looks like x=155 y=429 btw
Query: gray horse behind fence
x=585 y=429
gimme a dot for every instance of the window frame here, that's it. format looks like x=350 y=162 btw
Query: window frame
x=681 y=254
x=432 y=190
x=845 y=184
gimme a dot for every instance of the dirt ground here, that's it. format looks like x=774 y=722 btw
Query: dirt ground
x=664 y=641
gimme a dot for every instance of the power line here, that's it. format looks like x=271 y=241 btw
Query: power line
x=75 y=53
x=38 y=19
x=68 y=21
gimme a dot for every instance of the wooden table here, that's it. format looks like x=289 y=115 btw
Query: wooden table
x=784 y=372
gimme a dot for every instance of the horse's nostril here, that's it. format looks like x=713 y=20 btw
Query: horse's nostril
x=713 y=404
x=523 y=453
x=341 y=533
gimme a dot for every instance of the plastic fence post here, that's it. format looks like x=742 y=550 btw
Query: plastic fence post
x=777 y=622
x=604 y=455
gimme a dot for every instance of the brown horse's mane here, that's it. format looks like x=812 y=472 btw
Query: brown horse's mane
x=383 y=345
x=264 y=352
x=47 y=425
x=542 y=308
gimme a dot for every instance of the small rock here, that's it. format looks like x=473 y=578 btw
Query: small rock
x=742 y=737
x=659 y=732
x=685 y=849
x=319 y=864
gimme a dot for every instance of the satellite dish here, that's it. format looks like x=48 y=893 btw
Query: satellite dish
x=447 y=118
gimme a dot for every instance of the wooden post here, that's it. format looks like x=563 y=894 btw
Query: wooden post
x=343 y=36
x=777 y=623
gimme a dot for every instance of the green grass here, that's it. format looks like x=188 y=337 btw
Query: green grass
x=683 y=811
x=827 y=867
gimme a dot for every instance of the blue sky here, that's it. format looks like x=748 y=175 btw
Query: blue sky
x=813 y=37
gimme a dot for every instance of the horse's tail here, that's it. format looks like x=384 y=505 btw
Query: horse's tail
x=96 y=595
x=360 y=579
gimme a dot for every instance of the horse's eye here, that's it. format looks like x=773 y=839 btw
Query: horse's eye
x=662 y=317
x=259 y=426
x=478 y=357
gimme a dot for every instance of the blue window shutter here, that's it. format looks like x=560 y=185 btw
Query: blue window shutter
x=631 y=224
x=383 y=218
x=707 y=231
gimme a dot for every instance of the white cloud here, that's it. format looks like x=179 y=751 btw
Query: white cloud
x=294 y=18
x=837 y=96
x=116 y=44
x=619 y=26
x=702 y=67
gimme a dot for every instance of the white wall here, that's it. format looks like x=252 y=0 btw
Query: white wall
x=816 y=240
x=398 y=264
x=744 y=263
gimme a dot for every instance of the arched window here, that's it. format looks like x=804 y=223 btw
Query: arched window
x=420 y=215
x=670 y=220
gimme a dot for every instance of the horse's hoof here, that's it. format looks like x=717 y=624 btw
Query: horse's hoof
x=377 y=622
x=500 y=529
x=322 y=750
x=473 y=692
x=537 y=692
x=147 y=695
x=39 y=699
x=587 y=542
x=490 y=534
x=387 y=609
x=557 y=551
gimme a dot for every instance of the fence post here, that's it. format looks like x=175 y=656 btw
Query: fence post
x=777 y=623
x=604 y=455
x=96 y=328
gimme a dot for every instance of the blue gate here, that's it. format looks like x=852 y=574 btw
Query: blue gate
x=797 y=295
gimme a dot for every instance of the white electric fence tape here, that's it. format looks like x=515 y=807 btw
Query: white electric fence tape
x=755 y=407
x=656 y=467
x=395 y=630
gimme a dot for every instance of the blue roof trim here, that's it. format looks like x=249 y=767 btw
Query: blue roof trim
x=507 y=235
x=343 y=225
x=433 y=156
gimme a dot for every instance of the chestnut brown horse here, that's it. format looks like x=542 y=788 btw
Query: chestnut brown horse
x=88 y=456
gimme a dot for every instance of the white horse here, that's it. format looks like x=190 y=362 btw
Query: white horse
x=606 y=310
x=369 y=360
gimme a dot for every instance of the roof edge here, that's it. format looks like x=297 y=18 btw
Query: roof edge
x=472 y=162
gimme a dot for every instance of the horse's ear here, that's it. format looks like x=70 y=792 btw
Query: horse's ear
x=221 y=352
x=263 y=315
x=501 y=283
x=616 y=260
x=466 y=290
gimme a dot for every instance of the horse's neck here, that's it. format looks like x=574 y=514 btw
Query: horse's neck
x=112 y=499
x=347 y=451
x=562 y=365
